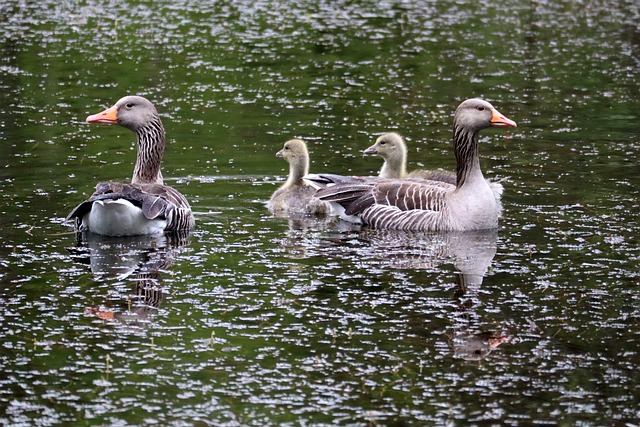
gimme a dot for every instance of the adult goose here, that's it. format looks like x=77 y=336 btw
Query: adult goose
x=416 y=204
x=393 y=150
x=295 y=196
x=145 y=205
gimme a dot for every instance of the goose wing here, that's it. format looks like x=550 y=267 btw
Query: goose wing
x=357 y=194
x=401 y=204
x=410 y=194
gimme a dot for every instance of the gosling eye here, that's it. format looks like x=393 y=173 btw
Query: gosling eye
x=383 y=142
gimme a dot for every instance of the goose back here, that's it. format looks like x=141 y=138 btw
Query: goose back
x=156 y=202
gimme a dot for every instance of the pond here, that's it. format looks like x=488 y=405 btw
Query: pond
x=254 y=320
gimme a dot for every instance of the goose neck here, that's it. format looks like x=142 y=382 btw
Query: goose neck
x=465 y=146
x=298 y=168
x=395 y=166
x=151 y=144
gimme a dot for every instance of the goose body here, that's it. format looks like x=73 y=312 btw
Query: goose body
x=145 y=205
x=295 y=196
x=422 y=205
x=120 y=217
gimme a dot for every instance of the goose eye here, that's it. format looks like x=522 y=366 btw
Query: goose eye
x=480 y=108
x=383 y=142
x=129 y=105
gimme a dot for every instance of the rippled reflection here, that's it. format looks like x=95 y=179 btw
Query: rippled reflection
x=470 y=252
x=477 y=346
x=138 y=259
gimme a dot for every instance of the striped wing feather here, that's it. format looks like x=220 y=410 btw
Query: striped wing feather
x=358 y=194
x=401 y=204
x=408 y=195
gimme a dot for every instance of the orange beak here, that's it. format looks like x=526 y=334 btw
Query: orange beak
x=107 y=116
x=106 y=315
x=499 y=120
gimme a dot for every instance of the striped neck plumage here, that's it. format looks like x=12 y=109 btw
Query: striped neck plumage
x=151 y=143
x=465 y=147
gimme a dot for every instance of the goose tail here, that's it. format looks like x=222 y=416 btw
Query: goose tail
x=345 y=194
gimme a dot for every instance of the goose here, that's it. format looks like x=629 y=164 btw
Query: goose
x=145 y=205
x=295 y=196
x=392 y=148
x=419 y=205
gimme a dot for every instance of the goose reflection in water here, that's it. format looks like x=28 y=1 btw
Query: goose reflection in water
x=477 y=346
x=468 y=339
x=139 y=309
x=470 y=252
x=138 y=259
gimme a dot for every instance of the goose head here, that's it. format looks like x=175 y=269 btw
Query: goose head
x=293 y=151
x=476 y=114
x=131 y=112
x=388 y=146
x=471 y=117
x=391 y=147
x=296 y=154
x=139 y=116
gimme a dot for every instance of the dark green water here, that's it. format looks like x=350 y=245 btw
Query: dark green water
x=255 y=320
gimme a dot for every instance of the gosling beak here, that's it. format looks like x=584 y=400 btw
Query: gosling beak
x=280 y=153
x=370 y=150
x=107 y=116
x=499 y=120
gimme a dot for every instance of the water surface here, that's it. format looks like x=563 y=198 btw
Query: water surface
x=255 y=320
